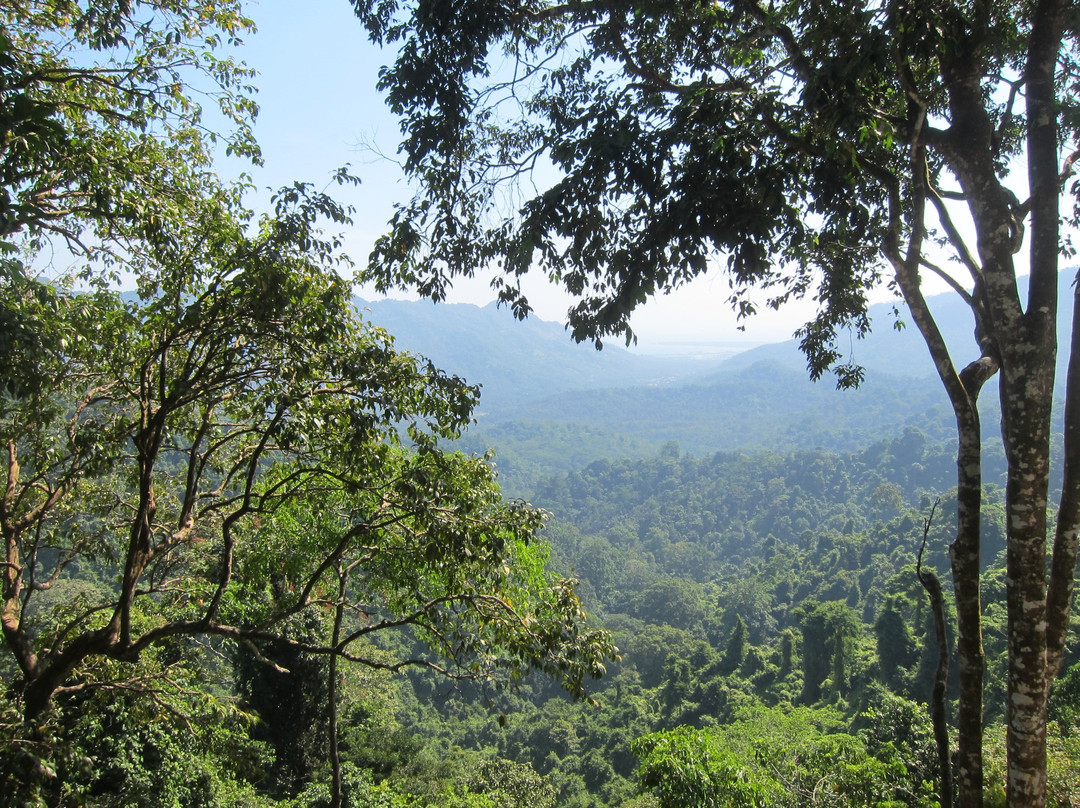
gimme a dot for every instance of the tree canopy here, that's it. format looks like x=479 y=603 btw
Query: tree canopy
x=815 y=150
x=228 y=450
x=104 y=128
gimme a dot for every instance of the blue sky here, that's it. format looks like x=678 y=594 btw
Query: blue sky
x=317 y=76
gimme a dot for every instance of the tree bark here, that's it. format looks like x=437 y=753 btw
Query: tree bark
x=963 y=390
x=1026 y=499
x=1063 y=565
x=938 y=713
x=964 y=553
x=1027 y=389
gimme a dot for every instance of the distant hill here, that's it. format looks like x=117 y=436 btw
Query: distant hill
x=900 y=351
x=517 y=362
x=763 y=406
x=549 y=405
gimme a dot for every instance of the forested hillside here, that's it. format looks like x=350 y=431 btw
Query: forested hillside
x=548 y=406
x=269 y=546
x=770 y=600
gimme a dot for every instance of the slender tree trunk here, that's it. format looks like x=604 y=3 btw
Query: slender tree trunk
x=1027 y=388
x=938 y=713
x=1063 y=566
x=964 y=552
x=336 y=792
x=1029 y=349
x=1026 y=416
x=963 y=390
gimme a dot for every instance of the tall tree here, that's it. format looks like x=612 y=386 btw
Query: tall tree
x=230 y=448
x=620 y=147
x=240 y=426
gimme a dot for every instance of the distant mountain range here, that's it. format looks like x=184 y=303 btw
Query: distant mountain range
x=895 y=347
x=517 y=362
x=549 y=405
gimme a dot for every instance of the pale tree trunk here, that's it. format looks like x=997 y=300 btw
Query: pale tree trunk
x=1022 y=337
x=1027 y=388
x=1026 y=428
x=963 y=389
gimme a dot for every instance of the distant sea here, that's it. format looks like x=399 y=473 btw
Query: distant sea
x=704 y=351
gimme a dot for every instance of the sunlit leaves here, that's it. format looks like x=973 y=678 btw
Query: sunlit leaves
x=235 y=448
x=104 y=139
x=769 y=757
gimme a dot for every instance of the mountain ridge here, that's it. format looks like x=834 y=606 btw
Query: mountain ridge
x=516 y=361
x=549 y=405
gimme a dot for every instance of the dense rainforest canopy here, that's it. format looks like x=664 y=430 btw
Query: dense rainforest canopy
x=245 y=563
x=810 y=151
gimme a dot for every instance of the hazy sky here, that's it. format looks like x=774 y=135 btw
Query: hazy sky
x=319 y=106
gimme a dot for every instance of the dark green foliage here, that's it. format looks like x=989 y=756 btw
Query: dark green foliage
x=787 y=652
x=895 y=644
x=755 y=589
x=852 y=580
x=152 y=741
x=286 y=690
x=677 y=679
x=674 y=601
x=735 y=652
x=827 y=632
x=1065 y=702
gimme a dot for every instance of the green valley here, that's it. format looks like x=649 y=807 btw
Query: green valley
x=268 y=543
